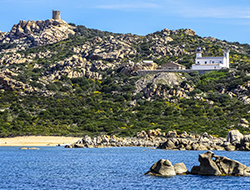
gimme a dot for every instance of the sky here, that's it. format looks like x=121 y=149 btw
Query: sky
x=223 y=19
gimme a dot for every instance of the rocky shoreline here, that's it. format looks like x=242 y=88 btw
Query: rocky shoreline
x=170 y=141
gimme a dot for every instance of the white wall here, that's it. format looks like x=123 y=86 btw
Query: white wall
x=205 y=67
x=209 y=60
x=199 y=54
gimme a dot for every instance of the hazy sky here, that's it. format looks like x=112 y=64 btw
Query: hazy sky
x=224 y=19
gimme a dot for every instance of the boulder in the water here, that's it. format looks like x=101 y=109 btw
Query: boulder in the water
x=207 y=164
x=23 y=148
x=210 y=164
x=214 y=165
x=162 y=168
x=180 y=169
x=165 y=168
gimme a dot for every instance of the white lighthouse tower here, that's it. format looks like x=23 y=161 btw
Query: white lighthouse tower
x=226 y=58
x=198 y=52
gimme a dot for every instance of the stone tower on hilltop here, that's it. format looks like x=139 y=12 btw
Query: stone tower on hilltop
x=56 y=15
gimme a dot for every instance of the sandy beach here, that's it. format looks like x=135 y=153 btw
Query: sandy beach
x=37 y=141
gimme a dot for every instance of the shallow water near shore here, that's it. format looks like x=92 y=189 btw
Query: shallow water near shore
x=107 y=168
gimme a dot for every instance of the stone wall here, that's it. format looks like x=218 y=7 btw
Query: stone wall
x=144 y=72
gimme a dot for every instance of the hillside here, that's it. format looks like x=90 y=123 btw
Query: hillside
x=61 y=79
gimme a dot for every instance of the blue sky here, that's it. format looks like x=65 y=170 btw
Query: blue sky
x=224 y=19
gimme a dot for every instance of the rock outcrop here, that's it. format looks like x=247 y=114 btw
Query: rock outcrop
x=190 y=32
x=37 y=33
x=187 y=142
x=15 y=58
x=234 y=136
x=163 y=168
x=169 y=141
x=180 y=169
x=235 y=141
x=165 y=85
x=207 y=165
x=211 y=164
x=113 y=141
x=132 y=68
x=75 y=66
x=30 y=148
x=9 y=84
x=2 y=34
x=243 y=123
x=242 y=93
x=245 y=143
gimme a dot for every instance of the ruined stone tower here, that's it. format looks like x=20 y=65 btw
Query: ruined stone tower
x=56 y=15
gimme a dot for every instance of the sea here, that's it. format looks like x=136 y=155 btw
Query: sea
x=107 y=168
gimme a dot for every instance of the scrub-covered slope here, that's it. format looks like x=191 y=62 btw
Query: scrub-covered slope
x=62 y=79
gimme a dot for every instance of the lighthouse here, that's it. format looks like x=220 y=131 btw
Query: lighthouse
x=198 y=52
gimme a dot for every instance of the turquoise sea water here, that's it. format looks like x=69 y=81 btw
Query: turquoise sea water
x=107 y=168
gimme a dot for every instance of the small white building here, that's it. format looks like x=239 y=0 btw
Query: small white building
x=147 y=61
x=210 y=63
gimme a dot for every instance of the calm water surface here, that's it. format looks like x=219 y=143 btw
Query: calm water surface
x=107 y=168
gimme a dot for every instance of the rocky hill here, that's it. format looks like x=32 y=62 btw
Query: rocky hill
x=59 y=78
x=35 y=33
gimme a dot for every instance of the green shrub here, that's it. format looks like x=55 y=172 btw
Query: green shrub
x=53 y=87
